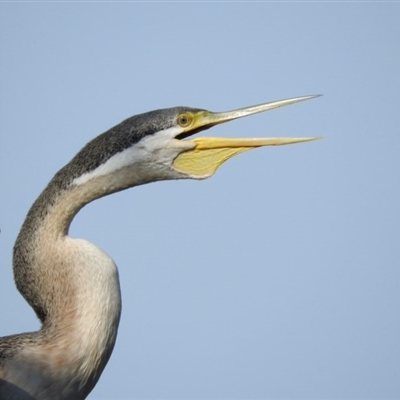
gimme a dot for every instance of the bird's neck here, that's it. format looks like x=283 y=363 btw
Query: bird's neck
x=71 y=284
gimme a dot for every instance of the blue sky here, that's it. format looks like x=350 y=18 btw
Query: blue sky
x=279 y=276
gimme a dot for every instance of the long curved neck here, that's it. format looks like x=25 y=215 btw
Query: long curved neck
x=47 y=262
x=74 y=289
x=72 y=285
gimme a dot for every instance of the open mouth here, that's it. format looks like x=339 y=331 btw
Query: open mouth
x=210 y=152
x=185 y=135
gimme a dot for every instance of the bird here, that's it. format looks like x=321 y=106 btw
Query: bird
x=72 y=285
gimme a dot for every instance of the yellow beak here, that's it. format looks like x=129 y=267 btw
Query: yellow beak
x=210 y=152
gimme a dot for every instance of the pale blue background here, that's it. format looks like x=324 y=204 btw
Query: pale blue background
x=277 y=278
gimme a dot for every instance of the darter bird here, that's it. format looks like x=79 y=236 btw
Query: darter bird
x=71 y=284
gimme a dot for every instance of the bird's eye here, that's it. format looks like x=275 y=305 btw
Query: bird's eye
x=185 y=120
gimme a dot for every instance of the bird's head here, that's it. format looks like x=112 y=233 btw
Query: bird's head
x=154 y=146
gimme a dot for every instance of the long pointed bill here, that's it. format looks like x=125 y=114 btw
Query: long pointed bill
x=220 y=117
x=210 y=152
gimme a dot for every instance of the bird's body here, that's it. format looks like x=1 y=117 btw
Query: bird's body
x=71 y=284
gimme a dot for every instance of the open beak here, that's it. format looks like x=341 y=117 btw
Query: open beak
x=210 y=152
